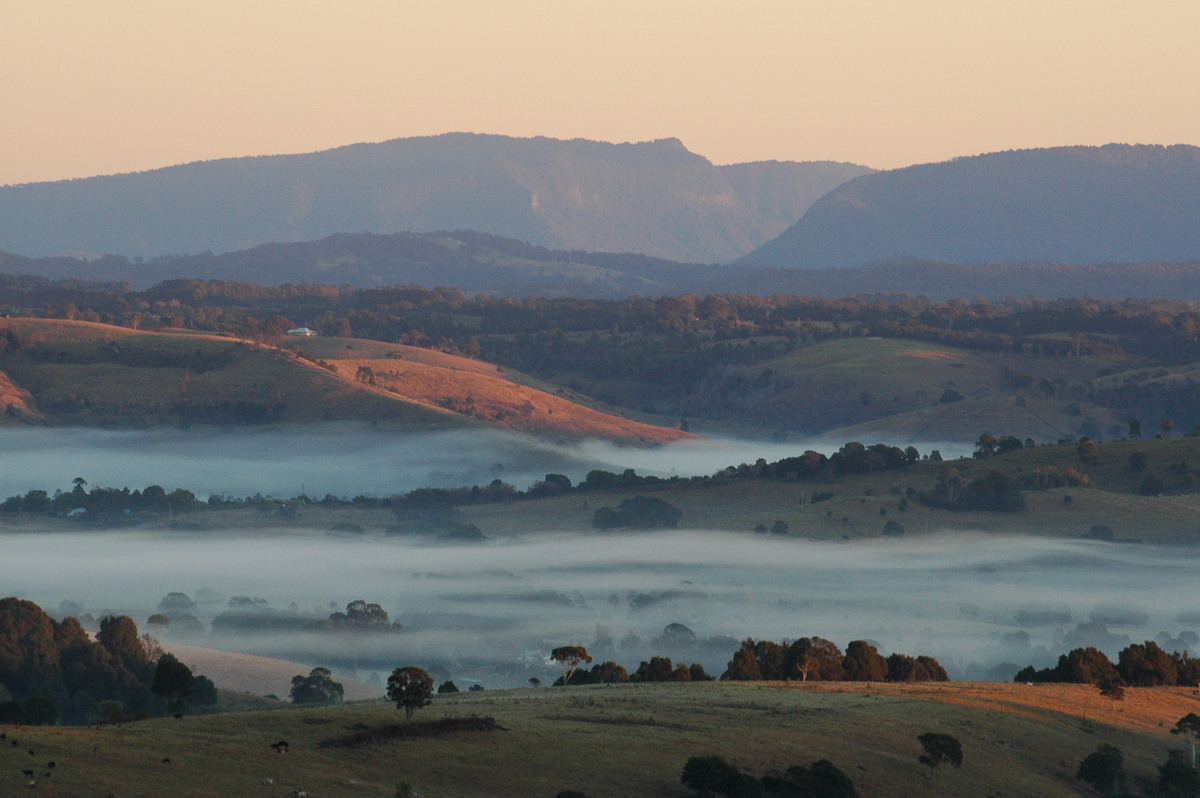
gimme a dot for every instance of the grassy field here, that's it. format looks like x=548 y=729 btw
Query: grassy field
x=72 y=372
x=621 y=740
x=482 y=391
x=887 y=387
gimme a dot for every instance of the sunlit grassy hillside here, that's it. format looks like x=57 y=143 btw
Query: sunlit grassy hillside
x=479 y=390
x=99 y=375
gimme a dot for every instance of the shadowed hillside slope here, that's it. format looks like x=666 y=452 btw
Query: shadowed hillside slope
x=1117 y=203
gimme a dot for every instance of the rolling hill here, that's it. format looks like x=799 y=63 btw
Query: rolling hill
x=84 y=373
x=614 y=741
x=654 y=198
x=461 y=259
x=1116 y=203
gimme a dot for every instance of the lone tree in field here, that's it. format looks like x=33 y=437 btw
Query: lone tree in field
x=1113 y=689
x=1189 y=726
x=410 y=688
x=939 y=748
x=1104 y=769
x=570 y=658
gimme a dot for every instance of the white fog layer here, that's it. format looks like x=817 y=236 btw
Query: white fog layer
x=492 y=611
x=344 y=459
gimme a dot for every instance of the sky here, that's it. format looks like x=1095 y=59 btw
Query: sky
x=125 y=85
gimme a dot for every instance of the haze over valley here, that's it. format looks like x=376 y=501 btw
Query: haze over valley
x=775 y=401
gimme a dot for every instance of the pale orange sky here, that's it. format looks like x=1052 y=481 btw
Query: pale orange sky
x=90 y=87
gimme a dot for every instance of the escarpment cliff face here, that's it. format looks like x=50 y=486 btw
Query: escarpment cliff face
x=1116 y=203
x=653 y=198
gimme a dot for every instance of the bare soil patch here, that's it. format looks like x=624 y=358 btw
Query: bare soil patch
x=388 y=732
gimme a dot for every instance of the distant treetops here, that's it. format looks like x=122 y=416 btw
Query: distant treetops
x=803 y=659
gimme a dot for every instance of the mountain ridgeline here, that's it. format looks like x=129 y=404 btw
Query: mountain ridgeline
x=654 y=198
x=1082 y=205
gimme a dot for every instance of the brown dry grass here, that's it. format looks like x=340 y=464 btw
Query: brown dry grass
x=480 y=392
x=262 y=676
x=415 y=388
x=15 y=400
x=932 y=354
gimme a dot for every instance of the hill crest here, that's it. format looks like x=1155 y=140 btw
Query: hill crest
x=1115 y=203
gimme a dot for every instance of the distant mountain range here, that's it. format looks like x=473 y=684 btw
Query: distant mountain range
x=588 y=219
x=1082 y=205
x=653 y=198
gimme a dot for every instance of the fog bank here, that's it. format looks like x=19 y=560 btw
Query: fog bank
x=492 y=611
x=344 y=459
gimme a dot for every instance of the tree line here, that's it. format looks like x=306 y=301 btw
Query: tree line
x=53 y=671
x=1144 y=664
x=425 y=507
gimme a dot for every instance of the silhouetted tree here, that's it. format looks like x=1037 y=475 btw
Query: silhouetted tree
x=569 y=658
x=316 y=688
x=1189 y=727
x=1146 y=665
x=814 y=658
x=863 y=663
x=1104 y=770
x=361 y=615
x=744 y=665
x=1113 y=689
x=1178 y=779
x=822 y=780
x=204 y=692
x=939 y=748
x=410 y=688
x=709 y=774
x=172 y=680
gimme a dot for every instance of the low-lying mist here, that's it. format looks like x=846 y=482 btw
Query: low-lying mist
x=492 y=611
x=344 y=459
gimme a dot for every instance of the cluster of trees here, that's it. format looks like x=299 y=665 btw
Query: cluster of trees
x=990 y=492
x=52 y=671
x=818 y=659
x=803 y=659
x=253 y=615
x=638 y=512
x=712 y=775
x=1104 y=768
x=852 y=457
x=318 y=687
x=1138 y=665
x=656 y=669
x=102 y=503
